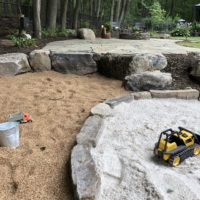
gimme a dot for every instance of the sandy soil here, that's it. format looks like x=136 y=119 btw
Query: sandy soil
x=59 y=104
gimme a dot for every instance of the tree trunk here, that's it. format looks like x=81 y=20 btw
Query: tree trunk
x=36 y=18
x=98 y=8
x=172 y=8
x=64 y=14
x=91 y=7
x=52 y=15
x=122 y=11
x=112 y=10
x=43 y=13
x=126 y=10
x=76 y=13
x=94 y=8
x=117 y=11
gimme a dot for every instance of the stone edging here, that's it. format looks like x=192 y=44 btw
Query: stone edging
x=85 y=180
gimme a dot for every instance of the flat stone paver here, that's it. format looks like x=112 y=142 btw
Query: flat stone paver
x=119 y=46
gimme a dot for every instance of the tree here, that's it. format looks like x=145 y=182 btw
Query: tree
x=112 y=10
x=76 y=13
x=36 y=18
x=121 y=17
x=52 y=14
x=117 y=10
x=98 y=8
x=157 y=13
x=64 y=14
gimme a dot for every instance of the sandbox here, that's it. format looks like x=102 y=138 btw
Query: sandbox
x=117 y=161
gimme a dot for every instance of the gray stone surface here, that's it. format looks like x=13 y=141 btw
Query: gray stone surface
x=119 y=46
x=164 y=36
x=179 y=94
x=83 y=173
x=118 y=168
x=118 y=100
x=86 y=33
x=13 y=63
x=101 y=109
x=75 y=63
x=148 y=80
x=147 y=62
x=141 y=95
x=40 y=60
x=89 y=131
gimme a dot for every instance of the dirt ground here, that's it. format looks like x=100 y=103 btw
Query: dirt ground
x=58 y=104
x=39 y=44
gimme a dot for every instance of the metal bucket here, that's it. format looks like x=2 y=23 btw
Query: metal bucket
x=9 y=134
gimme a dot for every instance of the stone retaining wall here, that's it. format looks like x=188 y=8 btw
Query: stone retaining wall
x=112 y=65
x=84 y=176
x=139 y=71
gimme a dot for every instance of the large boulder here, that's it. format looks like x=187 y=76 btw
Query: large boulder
x=14 y=63
x=134 y=36
x=147 y=62
x=164 y=36
x=118 y=66
x=148 y=80
x=84 y=176
x=81 y=63
x=86 y=33
x=40 y=60
x=195 y=68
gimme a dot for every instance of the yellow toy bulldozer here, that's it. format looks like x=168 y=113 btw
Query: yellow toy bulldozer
x=175 y=146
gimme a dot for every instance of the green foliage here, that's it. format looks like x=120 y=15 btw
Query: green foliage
x=108 y=26
x=154 y=34
x=157 y=14
x=48 y=33
x=183 y=30
x=196 y=26
x=136 y=30
x=22 y=41
x=85 y=24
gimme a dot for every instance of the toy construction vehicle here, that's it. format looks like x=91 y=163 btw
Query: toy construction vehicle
x=175 y=146
x=20 y=117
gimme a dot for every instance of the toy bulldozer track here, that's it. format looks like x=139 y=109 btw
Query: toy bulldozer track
x=175 y=146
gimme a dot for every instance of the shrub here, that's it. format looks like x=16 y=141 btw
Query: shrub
x=136 y=30
x=108 y=26
x=183 y=31
x=22 y=41
x=196 y=26
x=85 y=24
x=46 y=33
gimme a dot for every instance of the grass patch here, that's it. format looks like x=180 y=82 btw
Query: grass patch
x=190 y=42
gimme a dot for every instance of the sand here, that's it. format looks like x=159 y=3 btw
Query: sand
x=124 y=159
x=58 y=104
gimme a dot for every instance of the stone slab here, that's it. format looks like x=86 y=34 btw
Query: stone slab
x=179 y=94
x=89 y=131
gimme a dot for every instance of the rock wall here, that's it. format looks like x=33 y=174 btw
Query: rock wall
x=118 y=66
